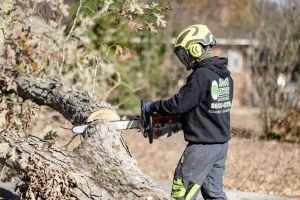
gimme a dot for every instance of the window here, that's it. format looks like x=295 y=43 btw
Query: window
x=235 y=60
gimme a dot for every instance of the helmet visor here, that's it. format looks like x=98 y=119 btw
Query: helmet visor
x=183 y=56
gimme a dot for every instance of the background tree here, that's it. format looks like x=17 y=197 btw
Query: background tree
x=275 y=68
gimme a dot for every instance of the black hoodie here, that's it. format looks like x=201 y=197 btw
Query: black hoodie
x=204 y=103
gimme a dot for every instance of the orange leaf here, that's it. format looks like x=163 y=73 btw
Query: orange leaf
x=34 y=67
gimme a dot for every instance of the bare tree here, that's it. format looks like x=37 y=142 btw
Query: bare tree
x=275 y=60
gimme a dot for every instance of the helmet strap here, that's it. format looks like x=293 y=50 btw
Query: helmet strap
x=207 y=54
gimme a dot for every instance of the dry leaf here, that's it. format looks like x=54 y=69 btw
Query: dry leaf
x=3 y=104
x=152 y=27
x=119 y=50
x=3 y=120
x=34 y=67
x=13 y=154
x=3 y=149
x=135 y=26
x=159 y=20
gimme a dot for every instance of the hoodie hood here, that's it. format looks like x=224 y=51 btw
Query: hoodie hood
x=216 y=64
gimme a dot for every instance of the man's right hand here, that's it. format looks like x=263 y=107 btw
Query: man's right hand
x=176 y=128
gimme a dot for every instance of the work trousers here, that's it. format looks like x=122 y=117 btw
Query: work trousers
x=201 y=168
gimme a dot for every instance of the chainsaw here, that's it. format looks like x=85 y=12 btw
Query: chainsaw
x=151 y=125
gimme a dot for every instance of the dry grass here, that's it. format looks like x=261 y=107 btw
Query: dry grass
x=257 y=166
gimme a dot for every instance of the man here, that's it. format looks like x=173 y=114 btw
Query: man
x=204 y=105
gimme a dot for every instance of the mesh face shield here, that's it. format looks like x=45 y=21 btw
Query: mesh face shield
x=183 y=56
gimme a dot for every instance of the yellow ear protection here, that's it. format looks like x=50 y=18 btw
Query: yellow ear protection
x=196 y=50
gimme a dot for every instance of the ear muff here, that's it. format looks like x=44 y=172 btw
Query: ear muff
x=196 y=50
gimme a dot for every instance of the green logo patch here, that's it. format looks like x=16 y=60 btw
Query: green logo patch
x=214 y=90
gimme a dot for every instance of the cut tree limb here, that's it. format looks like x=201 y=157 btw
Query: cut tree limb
x=101 y=167
x=75 y=106
x=103 y=114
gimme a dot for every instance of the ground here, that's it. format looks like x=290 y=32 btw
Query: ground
x=265 y=167
x=258 y=166
x=231 y=194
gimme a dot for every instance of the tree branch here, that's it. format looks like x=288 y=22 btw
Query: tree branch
x=68 y=37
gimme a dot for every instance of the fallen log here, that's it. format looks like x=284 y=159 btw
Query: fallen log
x=101 y=167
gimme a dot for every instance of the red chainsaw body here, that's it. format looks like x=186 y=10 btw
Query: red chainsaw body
x=154 y=125
x=162 y=124
x=162 y=119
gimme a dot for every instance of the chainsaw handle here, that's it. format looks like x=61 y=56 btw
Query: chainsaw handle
x=146 y=124
x=150 y=131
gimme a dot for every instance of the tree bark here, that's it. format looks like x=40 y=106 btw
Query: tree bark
x=101 y=167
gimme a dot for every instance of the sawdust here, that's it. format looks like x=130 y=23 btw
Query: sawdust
x=42 y=182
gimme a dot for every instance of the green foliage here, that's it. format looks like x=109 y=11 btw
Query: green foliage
x=50 y=135
x=92 y=50
x=136 y=54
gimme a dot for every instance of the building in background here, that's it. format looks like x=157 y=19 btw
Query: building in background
x=238 y=52
x=232 y=42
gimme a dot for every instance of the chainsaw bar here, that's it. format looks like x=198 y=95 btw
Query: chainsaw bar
x=151 y=125
x=121 y=125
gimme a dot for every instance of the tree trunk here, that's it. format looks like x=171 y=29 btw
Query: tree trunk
x=101 y=167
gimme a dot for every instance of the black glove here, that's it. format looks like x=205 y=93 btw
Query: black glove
x=176 y=128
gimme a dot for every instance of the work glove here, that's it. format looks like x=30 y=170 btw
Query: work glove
x=177 y=127
x=147 y=107
x=168 y=132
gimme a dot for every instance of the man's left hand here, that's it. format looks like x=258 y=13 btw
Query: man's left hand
x=147 y=107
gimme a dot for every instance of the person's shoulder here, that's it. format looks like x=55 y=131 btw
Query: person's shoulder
x=199 y=72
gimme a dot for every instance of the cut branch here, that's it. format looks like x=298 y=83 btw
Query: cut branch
x=74 y=105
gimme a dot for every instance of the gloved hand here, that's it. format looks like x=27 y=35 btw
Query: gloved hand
x=176 y=128
x=147 y=107
x=169 y=132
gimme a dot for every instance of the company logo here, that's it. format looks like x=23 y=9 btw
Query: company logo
x=214 y=90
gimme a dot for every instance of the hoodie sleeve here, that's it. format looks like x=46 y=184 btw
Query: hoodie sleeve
x=188 y=97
